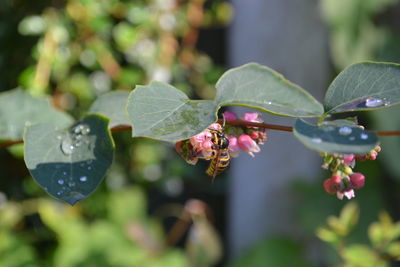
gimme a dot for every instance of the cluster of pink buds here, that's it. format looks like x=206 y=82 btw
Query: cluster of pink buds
x=344 y=181
x=245 y=138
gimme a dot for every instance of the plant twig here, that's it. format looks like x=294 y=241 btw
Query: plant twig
x=125 y=128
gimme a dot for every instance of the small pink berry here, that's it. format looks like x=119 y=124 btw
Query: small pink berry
x=254 y=135
x=373 y=156
x=329 y=186
x=229 y=115
x=215 y=126
x=336 y=179
x=233 y=144
x=251 y=116
x=348 y=159
x=357 y=180
x=247 y=144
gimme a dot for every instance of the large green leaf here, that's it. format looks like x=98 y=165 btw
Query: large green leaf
x=257 y=86
x=69 y=164
x=113 y=106
x=19 y=109
x=364 y=86
x=335 y=137
x=160 y=111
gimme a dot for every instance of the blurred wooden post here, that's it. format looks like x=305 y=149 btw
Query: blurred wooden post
x=290 y=37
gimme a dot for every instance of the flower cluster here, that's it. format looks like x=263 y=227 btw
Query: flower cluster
x=343 y=180
x=246 y=139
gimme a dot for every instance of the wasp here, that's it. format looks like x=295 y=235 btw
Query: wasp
x=220 y=158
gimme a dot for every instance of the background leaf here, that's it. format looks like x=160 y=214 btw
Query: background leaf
x=364 y=86
x=113 y=106
x=160 y=111
x=335 y=137
x=257 y=86
x=19 y=109
x=69 y=164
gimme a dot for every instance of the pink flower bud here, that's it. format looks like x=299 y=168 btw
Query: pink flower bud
x=336 y=179
x=197 y=140
x=357 y=180
x=254 y=135
x=251 y=116
x=329 y=186
x=207 y=144
x=262 y=136
x=348 y=159
x=348 y=194
x=229 y=115
x=247 y=144
x=215 y=126
x=373 y=155
x=233 y=144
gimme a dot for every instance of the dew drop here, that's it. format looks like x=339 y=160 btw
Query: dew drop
x=364 y=136
x=61 y=181
x=67 y=146
x=327 y=128
x=374 y=102
x=316 y=140
x=89 y=168
x=83 y=179
x=352 y=138
x=59 y=193
x=344 y=130
x=82 y=164
x=71 y=184
x=64 y=173
x=85 y=129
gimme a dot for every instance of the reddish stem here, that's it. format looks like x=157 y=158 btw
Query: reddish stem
x=125 y=128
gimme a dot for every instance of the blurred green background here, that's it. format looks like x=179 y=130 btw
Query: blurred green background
x=153 y=209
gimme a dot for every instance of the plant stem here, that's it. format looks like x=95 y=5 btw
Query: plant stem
x=125 y=128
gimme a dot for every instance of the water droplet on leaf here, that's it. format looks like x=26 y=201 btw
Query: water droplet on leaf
x=67 y=146
x=344 y=130
x=83 y=179
x=60 y=181
x=327 y=128
x=364 y=136
x=374 y=102
x=316 y=140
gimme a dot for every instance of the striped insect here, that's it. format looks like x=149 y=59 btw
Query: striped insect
x=220 y=158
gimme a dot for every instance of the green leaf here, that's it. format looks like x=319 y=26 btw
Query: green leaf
x=256 y=86
x=113 y=106
x=335 y=137
x=362 y=256
x=69 y=164
x=393 y=250
x=349 y=215
x=19 y=109
x=160 y=111
x=364 y=86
